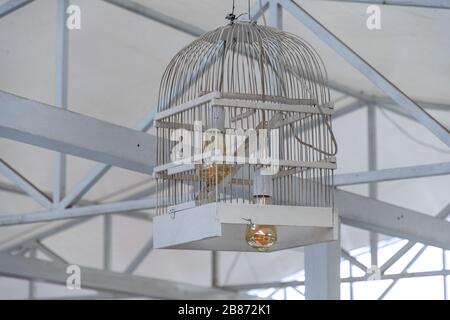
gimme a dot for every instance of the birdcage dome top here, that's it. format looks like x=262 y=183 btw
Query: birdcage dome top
x=245 y=58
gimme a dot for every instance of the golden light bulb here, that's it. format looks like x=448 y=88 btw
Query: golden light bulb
x=260 y=237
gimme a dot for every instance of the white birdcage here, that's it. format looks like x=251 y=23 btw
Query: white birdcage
x=245 y=149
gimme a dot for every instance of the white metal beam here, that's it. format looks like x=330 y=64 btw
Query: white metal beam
x=346 y=255
x=80 y=189
x=258 y=8
x=54 y=272
x=322 y=271
x=49 y=252
x=275 y=14
x=39 y=232
x=427 y=170
x=61 y=80
x=382 y=101
x=140 y=257
x=24 y=184
x=78 y=212
x=356 y=105
x=42 y=125
x=443 y=214
x=404 y=270
x=11 y=6
x=378 y=216
x=107 y=241
x=279 y=285
x=160 y=17
x=255 y=13
x=367 y=70
x=372 y=156
x=432 y=4
x=395 y=257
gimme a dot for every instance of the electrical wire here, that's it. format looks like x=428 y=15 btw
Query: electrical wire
x=333 y=138
x=408 y=135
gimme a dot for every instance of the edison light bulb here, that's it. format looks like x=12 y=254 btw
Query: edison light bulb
x=261 y=236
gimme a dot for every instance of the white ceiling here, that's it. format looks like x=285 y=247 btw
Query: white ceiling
x=116 y=61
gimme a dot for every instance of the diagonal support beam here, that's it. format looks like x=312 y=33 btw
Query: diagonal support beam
x=354 y=106
x=49 y=229
x=80 y=189
x=404 y=270
x=383 y=101
x=54 y=272
x=140 y=257
x=11 y=6
x=157 y=16
x=256 y=11
x=50 y=253
x=431 y=4
x=400 y=253
x=378 y=216
x=367 y=70
x=24 y=184
x=289 y=284
x=346 y=255
x=428 y=170
x=443 y=214
x=61 y=101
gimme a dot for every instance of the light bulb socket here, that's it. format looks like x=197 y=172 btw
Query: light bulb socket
x=262 y=185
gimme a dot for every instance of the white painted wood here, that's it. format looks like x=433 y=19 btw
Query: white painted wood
x=186 y=106
x=180 y=169
x=221 y=226
x=275 y=215
x=186 y=226
x=244 y=101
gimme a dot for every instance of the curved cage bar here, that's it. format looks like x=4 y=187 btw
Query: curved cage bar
x=245 y=58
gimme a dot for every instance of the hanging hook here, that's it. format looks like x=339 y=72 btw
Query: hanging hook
x=250 y=222
x=231 y=16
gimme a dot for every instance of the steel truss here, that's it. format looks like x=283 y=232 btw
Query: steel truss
x=60 y=205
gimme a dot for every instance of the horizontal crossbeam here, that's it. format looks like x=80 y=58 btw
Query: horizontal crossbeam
x=428 y=170
x=60 y=130
x=381 y=217
x=55 y=272
x=78 y=212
